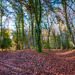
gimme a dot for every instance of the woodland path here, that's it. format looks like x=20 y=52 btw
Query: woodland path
x=30 y=62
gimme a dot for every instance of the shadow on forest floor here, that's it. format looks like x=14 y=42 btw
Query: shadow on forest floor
x=31 y=62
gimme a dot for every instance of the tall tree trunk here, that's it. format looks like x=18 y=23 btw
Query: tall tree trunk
x=48 y=38
x=32 y=25
x=38 y=22
x=19 y=32
x=29 y=39
x=39 y=38
x=1 y=19
x=54 y=38
x=67 y=22
x=60 y=36
x=17 y=39
x=23 y=35
x=17 y=36
x=74 y=36
x=48 y=33
x=35 y=34
x=1 y=25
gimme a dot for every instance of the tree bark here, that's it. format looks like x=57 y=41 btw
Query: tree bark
x=1 y=24
x=32 y=25
x=19 y=32
x=38 y=22
x=23 y=35
x=67 y=22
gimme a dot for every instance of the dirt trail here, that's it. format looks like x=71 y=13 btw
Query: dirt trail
x=30 y=62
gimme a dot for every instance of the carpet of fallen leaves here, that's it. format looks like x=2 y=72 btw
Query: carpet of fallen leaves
x=30 y=62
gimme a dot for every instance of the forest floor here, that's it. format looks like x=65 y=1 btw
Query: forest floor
x=30 y=62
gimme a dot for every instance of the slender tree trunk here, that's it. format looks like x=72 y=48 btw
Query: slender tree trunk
x=22 y=27
x=1 y=25
x=48 y=33
x=54 y=36
x=17 y=39
x=48 y=38
x=67 y=22
x=60 y=36
x=1 y=19
x=29 y=39
x=74 y=36
x=17 y=36
x=61 y=39
x=19 y=32
x=23 y=35
x=35 y=35
x=32 y=29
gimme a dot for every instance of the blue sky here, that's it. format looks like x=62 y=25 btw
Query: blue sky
x=11 y=21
